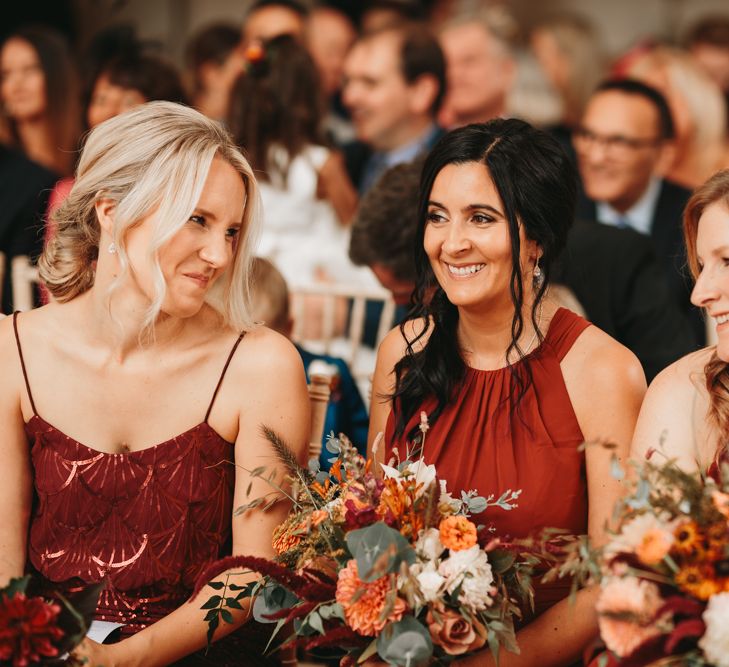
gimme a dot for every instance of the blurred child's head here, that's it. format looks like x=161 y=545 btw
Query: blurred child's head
x=270 y=297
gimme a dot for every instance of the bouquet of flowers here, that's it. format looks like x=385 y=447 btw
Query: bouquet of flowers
x=383 y=565
x=38 y=627
x=664 y=575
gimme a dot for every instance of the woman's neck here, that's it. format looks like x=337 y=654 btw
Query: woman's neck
x=485 y=335
x=115 y=321
x=35 y=138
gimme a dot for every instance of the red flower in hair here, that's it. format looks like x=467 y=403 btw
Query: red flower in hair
x=27 y=630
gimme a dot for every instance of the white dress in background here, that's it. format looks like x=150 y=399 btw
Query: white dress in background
x=301 y=234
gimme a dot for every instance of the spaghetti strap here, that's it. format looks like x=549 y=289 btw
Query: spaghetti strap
x=22 y=362
x=222 y=375
x=564 y=329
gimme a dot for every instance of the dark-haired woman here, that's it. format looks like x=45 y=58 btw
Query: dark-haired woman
x=39 y=95
x=686 y=409
x=308 y=200
x=512 y=384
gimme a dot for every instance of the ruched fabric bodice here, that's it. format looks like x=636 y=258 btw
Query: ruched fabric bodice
x=148 y=522
x=478 y=442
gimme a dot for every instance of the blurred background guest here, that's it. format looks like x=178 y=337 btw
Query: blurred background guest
x=214 y=63
x=380 y=14
x=394 y=87
x=624 y=147
x=129 y=81
x=568 y=48
x=698 y=110
x=307 y=197
x=40 y=97
x=480 y=66
x=330 y=34
x=708 y=45
x=266 y=19
x=346 y=411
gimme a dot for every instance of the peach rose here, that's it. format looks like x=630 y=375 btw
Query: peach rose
x=654 y=546
x=453 y=633
x=457 y=533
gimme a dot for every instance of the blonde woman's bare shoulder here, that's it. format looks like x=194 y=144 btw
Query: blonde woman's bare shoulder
x=673 y=415
x=266 y=352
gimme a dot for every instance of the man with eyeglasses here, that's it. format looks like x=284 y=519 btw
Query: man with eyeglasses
x=624 y=145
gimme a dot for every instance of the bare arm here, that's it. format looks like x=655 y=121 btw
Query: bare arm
x=270 y=386
x=16 y=489
x=335 y=186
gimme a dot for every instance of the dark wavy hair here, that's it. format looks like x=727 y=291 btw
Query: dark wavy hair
x=537 y=184
x=277 y=101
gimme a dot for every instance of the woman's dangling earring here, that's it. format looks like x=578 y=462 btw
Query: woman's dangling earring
x=112 y=248
x=538 y=276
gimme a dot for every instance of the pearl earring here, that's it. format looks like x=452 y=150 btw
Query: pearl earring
x=112 y=248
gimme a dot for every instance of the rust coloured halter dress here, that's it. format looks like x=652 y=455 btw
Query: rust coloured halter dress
x=148 y=522
x=476 y=443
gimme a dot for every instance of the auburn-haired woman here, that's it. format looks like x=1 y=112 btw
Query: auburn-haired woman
x=511 y=383
x=686 y=409
x=131 y=407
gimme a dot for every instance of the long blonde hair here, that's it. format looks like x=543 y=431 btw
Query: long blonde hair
x=154 y=158
x=716 y=371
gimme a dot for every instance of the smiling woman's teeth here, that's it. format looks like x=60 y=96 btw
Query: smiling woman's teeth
x=465 y=270
x=722 y=318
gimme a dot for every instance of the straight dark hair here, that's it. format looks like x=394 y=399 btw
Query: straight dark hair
x=537 y=184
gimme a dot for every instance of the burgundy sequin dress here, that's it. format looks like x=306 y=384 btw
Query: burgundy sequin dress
x=477 y=443
x=148 y=522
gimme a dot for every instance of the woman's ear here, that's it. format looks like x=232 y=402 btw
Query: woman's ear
x=105 y=210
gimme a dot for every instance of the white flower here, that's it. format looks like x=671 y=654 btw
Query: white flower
x=424 y=474
x=430 y=583
x=429 y=545
x=715 y=642
x=470 y=569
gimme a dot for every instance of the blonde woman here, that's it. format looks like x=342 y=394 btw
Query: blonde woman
x=698 y=110
x=568 y=50
x=686 y=409
x=131 y=407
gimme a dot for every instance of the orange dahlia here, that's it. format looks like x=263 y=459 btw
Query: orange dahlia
x=366 y=604
x=457 y=533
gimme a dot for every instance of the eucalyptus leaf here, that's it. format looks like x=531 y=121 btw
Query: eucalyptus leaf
x=379 y=550
x=406 y=643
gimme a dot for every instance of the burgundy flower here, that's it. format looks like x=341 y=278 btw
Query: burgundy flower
x=358 y=517
x=28 y=629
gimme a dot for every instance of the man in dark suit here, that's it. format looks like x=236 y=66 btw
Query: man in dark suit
x=394 y=86
x=616 y=278
x=624 y=146
x=24 y=190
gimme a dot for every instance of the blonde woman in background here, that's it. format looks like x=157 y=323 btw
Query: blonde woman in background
x=568 y=50
x=131 y=407
x=698 y=110
x=686 y=409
